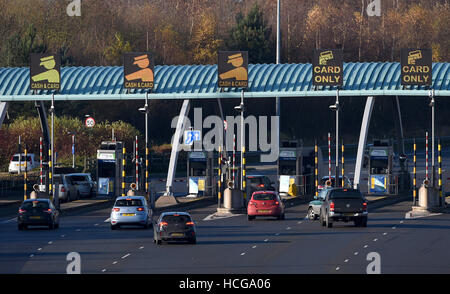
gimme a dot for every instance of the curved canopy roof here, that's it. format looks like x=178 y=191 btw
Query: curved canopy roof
x=200 y=81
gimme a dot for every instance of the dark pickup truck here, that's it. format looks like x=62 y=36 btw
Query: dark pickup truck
x=342 y=204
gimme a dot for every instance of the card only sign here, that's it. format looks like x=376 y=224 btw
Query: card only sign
x=416 y=67
x=328 y=68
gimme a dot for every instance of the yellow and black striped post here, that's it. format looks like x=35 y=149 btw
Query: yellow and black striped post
x=244 y=184
x=342 y=150
x=441 y=198
x=25 y=177
x=50 y=175
x=316 y=170
x=219 y=173
x=146 y=173
x=414 y=173
x=123 y=170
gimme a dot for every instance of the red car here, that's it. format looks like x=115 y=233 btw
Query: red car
x=265 y=203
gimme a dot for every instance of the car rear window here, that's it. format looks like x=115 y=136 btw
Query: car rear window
x=268 y=196
x=345 y=194
x=128 y=202
x=35 y=204
x=173 y=219
x=78 y=178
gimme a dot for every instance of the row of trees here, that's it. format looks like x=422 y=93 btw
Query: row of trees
x=191 y=32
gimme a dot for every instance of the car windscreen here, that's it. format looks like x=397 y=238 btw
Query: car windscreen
x=35 y=204
x=128 y=202
x=174 y=219
x=268 y=196
x=22 y=158
x=345 y=194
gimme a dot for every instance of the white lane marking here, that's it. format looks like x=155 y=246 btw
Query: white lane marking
x=375 y=240
x=142 y=247
x=31 y=255
x=365 y=246
x=384 y=234
x=393 y=227
x=356 y=253
x=243 y=253
x=266 y=240
x=401 y=222
x=115 y=262
x=62 y=236
x=78 y=230
x=338 y=268
x=104 y=270
x=50 y=242
x=288 y=228
x=107 y=220
x=299 y=222
x=277 y=234
x=126 y=255
x=217 y=215
x=9 y=220
x=96 y=224
x=39 y=249
x=346 y=260
x=254 y=247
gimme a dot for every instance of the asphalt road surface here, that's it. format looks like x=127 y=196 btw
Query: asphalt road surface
x=234 y=245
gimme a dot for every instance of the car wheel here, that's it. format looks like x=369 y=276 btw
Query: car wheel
x=114 y=227
x=322 y=222
x=328 y=223
x=51 y=226
x=193 y=241
x=311 y=214
x=364 y=222
x=251 y=217
x=20 y=227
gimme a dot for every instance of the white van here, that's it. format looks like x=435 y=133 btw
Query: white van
x=14 y=163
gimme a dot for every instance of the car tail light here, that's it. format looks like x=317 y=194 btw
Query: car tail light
x=252 y=203
x=276 y=202
x=48 y=210
x=163 y=224
x=365 y=206
x=331 y=206
x=140 y=209
x=261 y=186
x=22 y=210
x=116 y=209
x=189 y=223
x=63 y=189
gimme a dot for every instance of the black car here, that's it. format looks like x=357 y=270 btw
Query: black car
x=259 y=183
x=174 y=226
x=38 y=212
x=343 y=204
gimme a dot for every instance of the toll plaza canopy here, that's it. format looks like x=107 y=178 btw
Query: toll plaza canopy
x=200 y=81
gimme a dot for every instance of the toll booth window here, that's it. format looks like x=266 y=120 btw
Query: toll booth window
x=288 y=170
x=378 y=165
x=106 y=169
x=199 y=172
x=129 y=202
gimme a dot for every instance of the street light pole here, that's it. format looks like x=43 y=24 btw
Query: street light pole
x=335 y=107
x=432 y=104
x=278 y=55
x=146 y=110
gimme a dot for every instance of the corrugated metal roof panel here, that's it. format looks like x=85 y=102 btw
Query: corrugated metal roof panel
x=195 y=79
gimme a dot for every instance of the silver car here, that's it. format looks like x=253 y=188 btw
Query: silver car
x=67 y=191
x=83 y=182
x=131 y=210
x=314 y=206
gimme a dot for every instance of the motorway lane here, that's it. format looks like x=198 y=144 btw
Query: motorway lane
x=234 y=245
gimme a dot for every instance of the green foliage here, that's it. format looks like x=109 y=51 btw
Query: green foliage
x=87 y=139
x=20 y=45
x=114 y=52
x=252 y=34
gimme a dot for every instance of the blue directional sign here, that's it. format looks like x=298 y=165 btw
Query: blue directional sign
x=191 y=136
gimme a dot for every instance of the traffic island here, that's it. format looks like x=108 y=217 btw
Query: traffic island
x=233 y=202
x=166 y=200
x=428 y=203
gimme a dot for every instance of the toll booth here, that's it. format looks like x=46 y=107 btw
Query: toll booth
x=380 y=159
x=200 y=173
x=289 y=165
x=109 y=167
